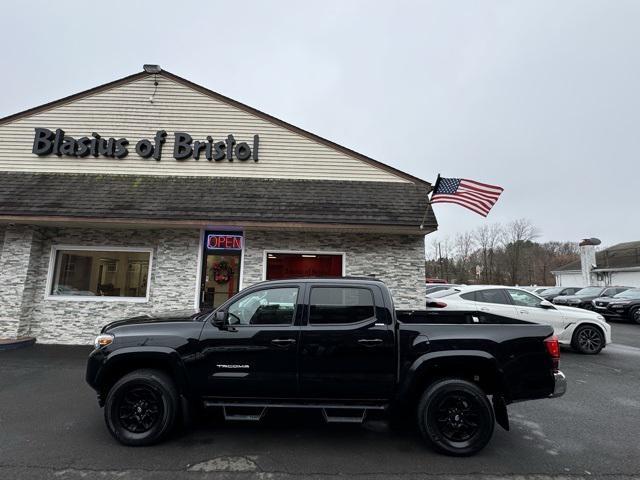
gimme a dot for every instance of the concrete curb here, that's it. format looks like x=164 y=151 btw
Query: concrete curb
x=15 y=343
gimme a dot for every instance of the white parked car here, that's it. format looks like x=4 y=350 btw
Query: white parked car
x=583 y=330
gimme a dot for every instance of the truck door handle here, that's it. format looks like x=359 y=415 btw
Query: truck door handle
x=370 y=342
x=283 y=342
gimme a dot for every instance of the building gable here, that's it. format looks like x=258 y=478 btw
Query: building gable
x=123 y=109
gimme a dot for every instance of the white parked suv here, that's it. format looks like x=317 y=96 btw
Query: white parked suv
x=583 y=330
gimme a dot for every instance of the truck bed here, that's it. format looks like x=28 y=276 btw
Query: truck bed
x=514 y=347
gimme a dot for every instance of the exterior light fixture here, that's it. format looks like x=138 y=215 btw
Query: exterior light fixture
x=154 y=69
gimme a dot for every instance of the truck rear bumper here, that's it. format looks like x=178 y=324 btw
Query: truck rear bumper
x=560 y=385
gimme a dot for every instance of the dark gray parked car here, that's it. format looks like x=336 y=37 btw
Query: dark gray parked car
x=584 y=297
x=553 y=292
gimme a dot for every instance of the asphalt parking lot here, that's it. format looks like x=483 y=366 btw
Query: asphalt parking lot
x=52 y=427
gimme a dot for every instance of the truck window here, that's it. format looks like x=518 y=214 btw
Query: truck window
x=336 y=305
x=271 y=306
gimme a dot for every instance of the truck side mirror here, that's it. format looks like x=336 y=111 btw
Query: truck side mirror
x=220 y=318
x=546 y=304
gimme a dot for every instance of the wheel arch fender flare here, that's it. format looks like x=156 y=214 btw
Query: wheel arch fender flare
x=128 y=359
x=433 y=364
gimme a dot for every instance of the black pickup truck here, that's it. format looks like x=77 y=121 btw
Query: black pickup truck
x=336 y=345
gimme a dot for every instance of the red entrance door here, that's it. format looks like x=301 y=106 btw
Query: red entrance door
x=297 y=265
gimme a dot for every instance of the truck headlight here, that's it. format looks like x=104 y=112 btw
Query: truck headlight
x=103 y=340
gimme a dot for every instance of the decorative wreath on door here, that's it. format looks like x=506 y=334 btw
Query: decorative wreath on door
x=222 y=272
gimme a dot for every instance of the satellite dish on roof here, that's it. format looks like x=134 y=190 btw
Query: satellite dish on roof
x=590 y=241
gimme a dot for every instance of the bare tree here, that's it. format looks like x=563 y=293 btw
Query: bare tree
x=487 y=237
x=516 y=237
x=505 y=254
x=464 y=245
x=439 y=257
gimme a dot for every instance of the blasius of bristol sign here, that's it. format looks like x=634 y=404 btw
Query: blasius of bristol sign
x=47 y=142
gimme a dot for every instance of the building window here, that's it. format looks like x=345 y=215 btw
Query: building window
x=99 y=273
x=282 y=265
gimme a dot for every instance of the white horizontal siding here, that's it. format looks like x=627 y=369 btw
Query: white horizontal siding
x=124 y=111
x=569 y=279
x=629 y=279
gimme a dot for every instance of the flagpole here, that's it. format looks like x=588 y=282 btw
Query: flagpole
x=435 y=187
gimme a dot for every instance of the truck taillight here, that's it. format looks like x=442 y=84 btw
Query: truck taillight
x=553 y=347
x=436 y=304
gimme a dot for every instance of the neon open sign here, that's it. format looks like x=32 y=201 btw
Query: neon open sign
x=224 y=242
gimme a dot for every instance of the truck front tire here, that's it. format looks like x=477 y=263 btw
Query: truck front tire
x=141 y=408
x=455 y=417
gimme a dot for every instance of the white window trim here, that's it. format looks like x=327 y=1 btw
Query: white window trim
x=97 y=298
x=301 y=252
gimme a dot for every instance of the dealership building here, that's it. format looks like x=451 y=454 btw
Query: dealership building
x=153 y=193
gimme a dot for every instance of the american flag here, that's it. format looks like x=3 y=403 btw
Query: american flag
x=475 y=196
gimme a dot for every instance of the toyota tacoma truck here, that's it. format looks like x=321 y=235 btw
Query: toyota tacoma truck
x=335 y=345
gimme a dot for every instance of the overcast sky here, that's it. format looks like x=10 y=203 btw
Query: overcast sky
x=539 y=97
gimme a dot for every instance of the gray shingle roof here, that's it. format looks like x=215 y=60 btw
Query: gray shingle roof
x=213 y=199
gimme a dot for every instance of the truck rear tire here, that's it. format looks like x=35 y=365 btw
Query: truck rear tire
x=141 y=408
x=455 y=417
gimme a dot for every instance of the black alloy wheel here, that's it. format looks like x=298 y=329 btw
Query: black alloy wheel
x=456 y=417
x=588 y=339
x=635 y=315
x=141 y=408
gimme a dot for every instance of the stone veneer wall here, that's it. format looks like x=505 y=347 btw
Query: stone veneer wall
x=172 y=285
x=15 y=258
x=396 y=259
